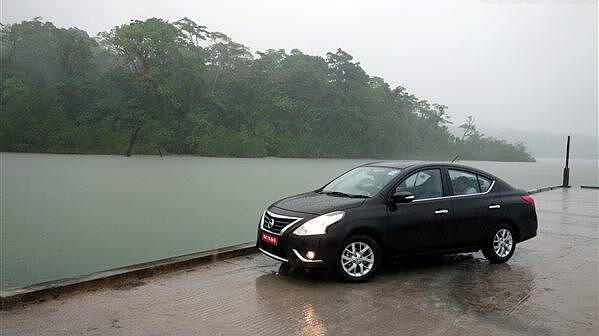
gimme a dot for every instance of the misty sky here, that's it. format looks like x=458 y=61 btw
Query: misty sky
x=522 y=64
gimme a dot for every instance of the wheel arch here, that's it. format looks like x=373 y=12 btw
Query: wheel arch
x=512 y=224
x=367 y=231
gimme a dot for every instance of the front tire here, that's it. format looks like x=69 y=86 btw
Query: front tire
x=358 y=259
x=500 y=244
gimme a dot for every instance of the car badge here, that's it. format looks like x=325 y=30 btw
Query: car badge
x=269 y=222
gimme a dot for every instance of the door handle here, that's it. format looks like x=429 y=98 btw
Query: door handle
x=494 y=206
x=441 y=212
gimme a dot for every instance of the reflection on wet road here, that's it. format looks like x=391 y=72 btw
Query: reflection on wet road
x=549 y=287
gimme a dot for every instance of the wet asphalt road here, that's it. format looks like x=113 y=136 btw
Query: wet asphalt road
x=549 y=287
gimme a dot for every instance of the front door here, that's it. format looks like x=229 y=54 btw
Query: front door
x=425 y=223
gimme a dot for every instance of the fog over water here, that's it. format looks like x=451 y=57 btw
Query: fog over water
x=525 y=65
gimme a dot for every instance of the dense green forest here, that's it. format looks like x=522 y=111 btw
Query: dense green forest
x=176 y=87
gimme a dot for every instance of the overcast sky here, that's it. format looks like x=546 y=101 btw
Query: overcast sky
x=522 y=64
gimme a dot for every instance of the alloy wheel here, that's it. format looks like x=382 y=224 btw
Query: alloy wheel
x=502 y=243
x=357 y=259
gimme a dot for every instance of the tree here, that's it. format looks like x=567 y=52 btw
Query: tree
x=469 y=129
x=146 y=52
x=226 y=55
x=155 y=86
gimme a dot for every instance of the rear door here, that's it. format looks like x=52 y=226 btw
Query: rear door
x=474 y=206
x=424 y=224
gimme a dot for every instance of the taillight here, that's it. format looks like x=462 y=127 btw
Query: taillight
x=528 y=199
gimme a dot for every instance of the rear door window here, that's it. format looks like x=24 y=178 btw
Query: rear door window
x=483 y=183
x=463 y=183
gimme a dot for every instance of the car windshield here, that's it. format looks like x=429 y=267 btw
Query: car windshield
x=361 y=182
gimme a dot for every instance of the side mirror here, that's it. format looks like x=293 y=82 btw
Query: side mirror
x=402 y=197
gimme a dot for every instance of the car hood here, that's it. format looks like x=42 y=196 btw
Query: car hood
x=315 y=203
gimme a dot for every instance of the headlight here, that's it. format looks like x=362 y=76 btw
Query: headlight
x=261 y=219
x=319 y=224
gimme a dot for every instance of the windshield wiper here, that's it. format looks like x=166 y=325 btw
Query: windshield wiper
x=342 y=194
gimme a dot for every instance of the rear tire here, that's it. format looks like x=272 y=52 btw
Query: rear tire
x=500 y=244
x=358 y=259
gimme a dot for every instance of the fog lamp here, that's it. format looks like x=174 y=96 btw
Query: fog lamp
x=310 y=255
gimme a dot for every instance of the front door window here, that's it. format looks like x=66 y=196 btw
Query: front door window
x=423 y=184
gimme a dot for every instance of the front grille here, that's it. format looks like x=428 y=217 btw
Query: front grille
x=274 y=223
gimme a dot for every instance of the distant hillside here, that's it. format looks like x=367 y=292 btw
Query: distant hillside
x=545 y=144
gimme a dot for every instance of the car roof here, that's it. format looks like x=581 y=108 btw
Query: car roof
x=408 y=166
x=418 y=164
x=392 y=164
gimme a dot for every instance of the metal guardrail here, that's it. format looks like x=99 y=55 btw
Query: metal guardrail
x=534 y=191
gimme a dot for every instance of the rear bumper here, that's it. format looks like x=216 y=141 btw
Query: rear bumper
x=529 y=229
x=293 y=249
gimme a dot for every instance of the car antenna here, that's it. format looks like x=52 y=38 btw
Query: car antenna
x=457 y=157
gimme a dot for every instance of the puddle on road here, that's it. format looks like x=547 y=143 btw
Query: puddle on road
x=430 y=287
x=129 y=285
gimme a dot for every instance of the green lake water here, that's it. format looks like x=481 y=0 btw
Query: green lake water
x=69 y=215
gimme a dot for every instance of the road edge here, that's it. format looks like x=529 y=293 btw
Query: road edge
x=118 y=276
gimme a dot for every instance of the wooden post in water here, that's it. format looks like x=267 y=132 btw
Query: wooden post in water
x=566 y=181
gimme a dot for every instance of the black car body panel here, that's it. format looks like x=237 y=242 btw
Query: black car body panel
x=518 y=214
x=417 y=228
x=315 y=203
x=446 y=223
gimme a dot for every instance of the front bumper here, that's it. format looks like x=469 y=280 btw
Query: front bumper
x=293 y=249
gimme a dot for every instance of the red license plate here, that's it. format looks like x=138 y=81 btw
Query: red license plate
x=270 y=239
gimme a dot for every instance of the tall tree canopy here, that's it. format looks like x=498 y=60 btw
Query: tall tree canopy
x=176 y=87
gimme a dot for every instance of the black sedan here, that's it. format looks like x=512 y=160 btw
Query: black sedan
x=393 y=209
